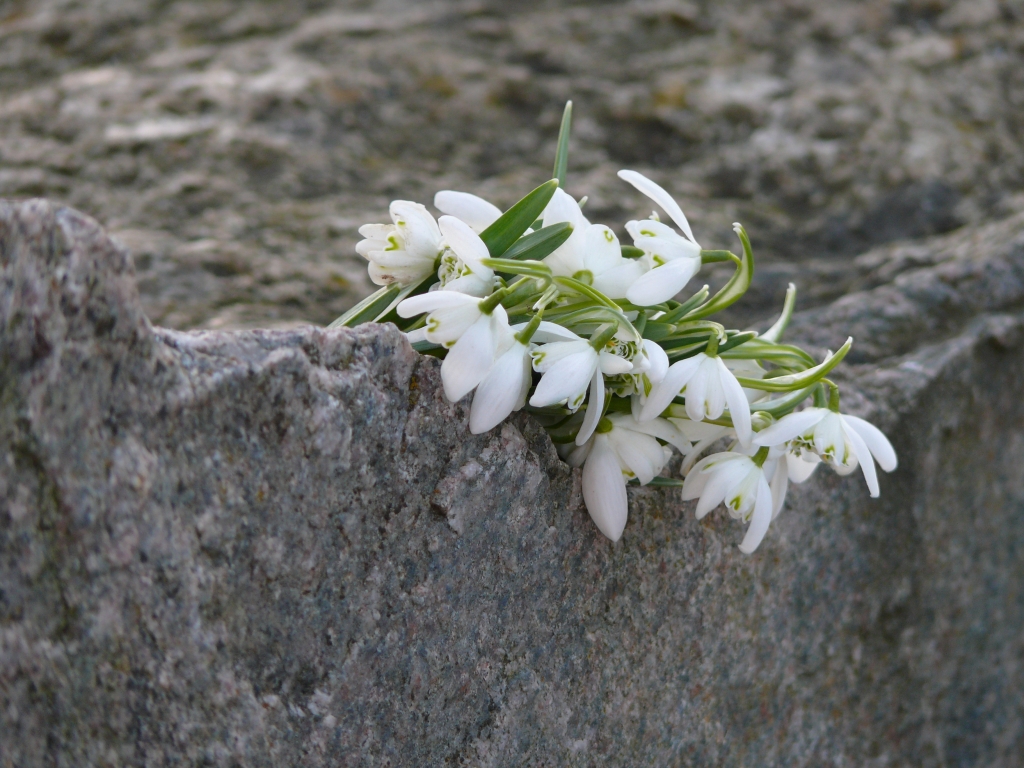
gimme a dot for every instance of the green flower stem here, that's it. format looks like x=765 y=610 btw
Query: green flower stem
x=716 y=257
x=600 y=298
x=760 y=457
x=524 y=336
x=487 y=305
x=833 y=395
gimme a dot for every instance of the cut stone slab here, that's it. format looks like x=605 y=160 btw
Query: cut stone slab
x=285 y=548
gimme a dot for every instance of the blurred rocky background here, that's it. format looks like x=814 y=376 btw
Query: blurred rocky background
x=234 y=147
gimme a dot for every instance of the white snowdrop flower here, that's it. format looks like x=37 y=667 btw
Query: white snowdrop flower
x=649 y=367
x=405 y=252
x=475 y=211
x=673 y=259
x=471 y=331
x=504 y=388
x=567 y=259
x=781 y=467
x=462 y=266
x=708 y=386
x=741 y=483
x=592 y=249
x=621 y=449
x=569 y=368
x=611 y=273
x=841 y=440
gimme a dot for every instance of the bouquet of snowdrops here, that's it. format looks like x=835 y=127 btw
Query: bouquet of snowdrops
x=537 y=307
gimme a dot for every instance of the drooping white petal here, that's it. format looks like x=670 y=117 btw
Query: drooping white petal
x=469 y=360
x=595 y=404
x=760 y=520
x=419 y=230
x=566 y=380
x=875 y=440
x=790 y=426
x=801 y=467
x=739 y=406
x=601 y=250
x=659 y=361
x=696 y=389
x=613 y=365
x=659 y=428
x=604 y=489
x=547 y=355
x=500 y=391
x=723 y=482
x=577 y=454
x=661 y=197
x=428 y=302
x=830 y=440
x=376 y=231
x=567 y=259
x=664 y=250
x=867 y=463
x=779 y=485
x=642 y=454
x=402 y=275
x=471 y=285
x=475 y=211
x=616 y=282
x=668 y=388
x=662 y=283
x=548 y=332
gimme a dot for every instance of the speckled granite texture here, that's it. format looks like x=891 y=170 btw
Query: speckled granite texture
x=284 y=548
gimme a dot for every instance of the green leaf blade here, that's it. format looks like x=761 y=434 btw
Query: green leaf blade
x=503 y=233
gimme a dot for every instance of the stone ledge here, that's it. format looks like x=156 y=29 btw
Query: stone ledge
x=284 y=548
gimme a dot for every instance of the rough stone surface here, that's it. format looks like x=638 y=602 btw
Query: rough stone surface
x=270 y=548
x=284 y=548
x=234 y=146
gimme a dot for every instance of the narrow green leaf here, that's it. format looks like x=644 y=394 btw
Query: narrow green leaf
x=369 y=308
x=775 y=332
x=425 y=346
x=591 y=293
x=660 y=482
x=391 y=315
x=802 y=379
x=736 y=339
x=520 y=267
x=737 y=285
x=500 y=236
x=541 y=243
x=759 y=349
x=562 y=153
x=656 y=331
x=694 y=301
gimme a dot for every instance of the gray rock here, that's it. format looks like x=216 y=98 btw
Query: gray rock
x=271 y=548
